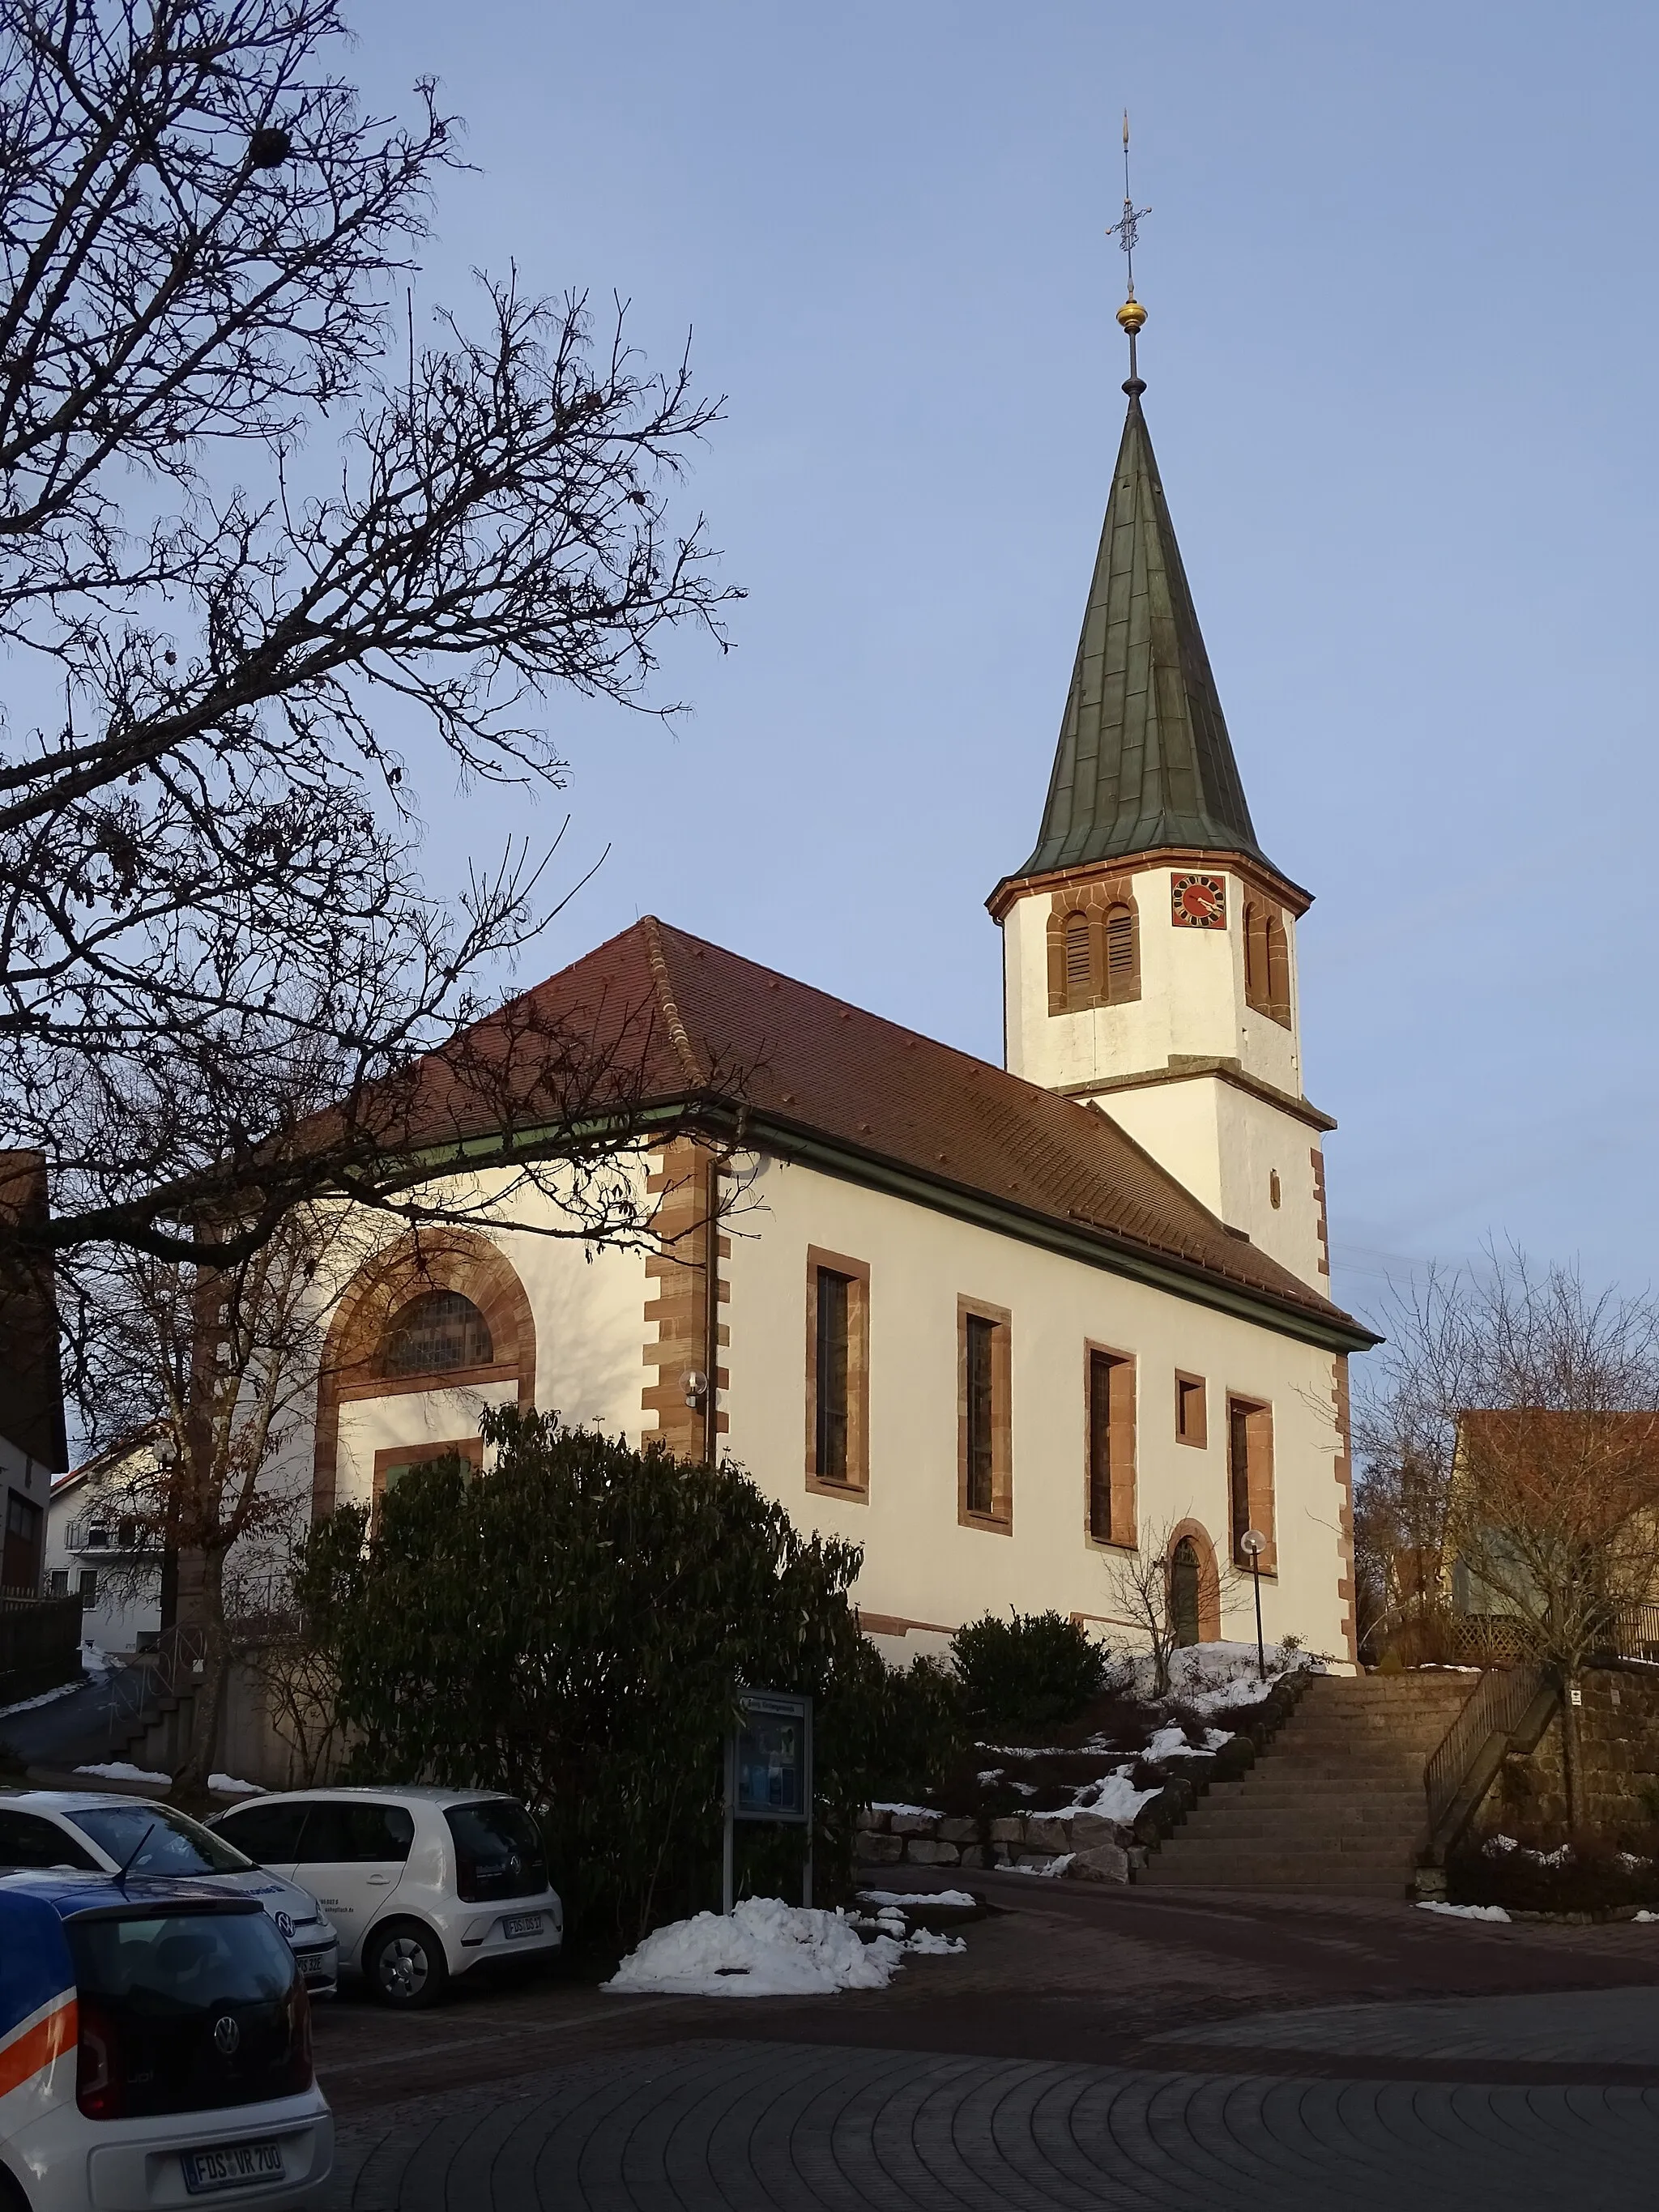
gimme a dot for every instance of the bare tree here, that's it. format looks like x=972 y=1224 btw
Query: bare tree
x=244 y=520
x=1141 y=1588
x=1525 y=1409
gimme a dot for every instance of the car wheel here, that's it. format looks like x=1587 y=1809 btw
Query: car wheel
x=406 y=1965
x=12 y=2199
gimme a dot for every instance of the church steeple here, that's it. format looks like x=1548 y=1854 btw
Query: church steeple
x=1144 y=763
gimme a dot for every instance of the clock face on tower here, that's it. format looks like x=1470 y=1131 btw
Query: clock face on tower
x=1198 y=901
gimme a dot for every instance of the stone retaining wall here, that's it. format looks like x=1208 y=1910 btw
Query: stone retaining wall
x=1093 y=1849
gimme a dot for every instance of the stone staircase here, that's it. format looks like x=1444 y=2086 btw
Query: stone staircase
x=1336 y=1807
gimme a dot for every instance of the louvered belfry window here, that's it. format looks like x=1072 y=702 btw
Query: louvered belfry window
x=1120 y=954
x=1079 y=965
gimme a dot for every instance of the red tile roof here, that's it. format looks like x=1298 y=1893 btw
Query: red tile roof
x=669 y=1017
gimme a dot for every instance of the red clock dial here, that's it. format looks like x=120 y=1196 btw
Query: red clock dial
x=1198 y=901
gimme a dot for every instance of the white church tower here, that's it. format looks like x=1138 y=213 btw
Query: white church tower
x=1149 y=944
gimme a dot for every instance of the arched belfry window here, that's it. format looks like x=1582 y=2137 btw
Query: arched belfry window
x=1266 y=963
x=1079 y=961
x=433 y=1333
x=1094 y=948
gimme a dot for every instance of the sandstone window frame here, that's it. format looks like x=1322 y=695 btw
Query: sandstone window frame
x=1110 y=1424
x=1250 y=1499
x=1109 y=912
x=999 y=1519
x=855 y=1273
x=1267 y=961
x=1192 y=1410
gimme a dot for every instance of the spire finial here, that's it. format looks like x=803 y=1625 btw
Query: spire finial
x=1131 y=315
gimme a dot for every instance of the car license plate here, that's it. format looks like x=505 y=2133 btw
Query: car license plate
x=522 y=1923
x=314 y=1966
x=230 y=2166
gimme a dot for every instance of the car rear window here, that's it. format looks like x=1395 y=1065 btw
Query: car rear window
x=166 y=1842
x=187 y=2011
x=498 y=1852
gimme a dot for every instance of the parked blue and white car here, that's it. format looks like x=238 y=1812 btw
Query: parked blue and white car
x=155 y=2050
x=100 y=1831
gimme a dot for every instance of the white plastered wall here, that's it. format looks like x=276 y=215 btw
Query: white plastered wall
x=920 y=1564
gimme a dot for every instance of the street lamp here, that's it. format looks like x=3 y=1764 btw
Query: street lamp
x=1253 y=1544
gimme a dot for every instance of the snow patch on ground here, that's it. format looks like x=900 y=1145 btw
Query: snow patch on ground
x=906 y=1897
x=1207 y=1675
x=930 y=1945
x=228 y=1785
x=117 y=1769
x=45 y=1697
x=1645 y=1915
x=1461 y=1912
x=1114 y=1798
x=929 y=1812
x=1172 y=1743
x=94 y=1660
x=767 y=1949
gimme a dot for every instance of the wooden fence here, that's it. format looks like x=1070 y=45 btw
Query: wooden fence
x=39 y=1644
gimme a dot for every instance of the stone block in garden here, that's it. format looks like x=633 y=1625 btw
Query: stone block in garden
x=1100 y=1863
x=913 y=1824
x=978 y=1855
x=920 y=1851
x=1044 y=1834
x=1010 y=1829
x=872 y=1850
x=870 y=1818
x=958 y=1830
x=1090 y=1831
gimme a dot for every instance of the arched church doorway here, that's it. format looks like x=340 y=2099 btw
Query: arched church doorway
x=1183 y=1591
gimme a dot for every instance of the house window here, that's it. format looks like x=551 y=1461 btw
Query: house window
x=1266 y=963
x=398 y=1461
x=60 y=1582
x=436 y=1332
x=837 y=1372
x=1192 y=1422
x=984 y=1493
x=1250 y=1478
x=89 y=1585
x=1111 y=1425
x=1122 y=967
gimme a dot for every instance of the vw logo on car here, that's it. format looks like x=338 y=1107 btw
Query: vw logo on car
x=284 y=1924
x=227 y=2034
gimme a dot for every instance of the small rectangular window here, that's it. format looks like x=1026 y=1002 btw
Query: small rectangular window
x=837 y=1372
x=1192 y=1416
x=1250 y=1479
x=984 y=1494
x=1111 y=1416
x=60 y=1582
x=89 y=1586
x=399 y=1461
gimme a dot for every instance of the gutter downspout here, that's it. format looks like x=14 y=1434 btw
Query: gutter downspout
x=711 y=1366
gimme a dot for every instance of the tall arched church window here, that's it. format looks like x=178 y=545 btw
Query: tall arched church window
x=1279 y=970
x=1266 y=963
x=1079 y=961
x=433 y=1333
x=1122 y=968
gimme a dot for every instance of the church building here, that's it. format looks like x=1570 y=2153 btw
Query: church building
x=1017 y=1331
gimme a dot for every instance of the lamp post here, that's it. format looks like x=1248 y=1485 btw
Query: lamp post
x=1253 y=1544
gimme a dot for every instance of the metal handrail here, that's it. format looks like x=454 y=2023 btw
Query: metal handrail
x=1495 y=1707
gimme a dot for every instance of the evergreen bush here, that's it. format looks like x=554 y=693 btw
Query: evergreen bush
x=1034 y=1670
x=573 y=1627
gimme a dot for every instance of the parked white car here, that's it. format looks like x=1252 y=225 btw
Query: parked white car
x=421 y=1884
x=155 y=2050
x=99 y=1831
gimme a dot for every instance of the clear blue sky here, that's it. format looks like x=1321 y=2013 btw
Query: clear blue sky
x=1400 y=275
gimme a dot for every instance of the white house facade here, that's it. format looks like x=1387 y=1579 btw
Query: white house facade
x=1012 y=1329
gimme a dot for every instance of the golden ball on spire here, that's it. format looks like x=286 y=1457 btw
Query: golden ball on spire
x=1132 y=316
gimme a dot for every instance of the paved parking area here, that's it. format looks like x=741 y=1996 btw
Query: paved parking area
x=735 y=2125
x=1090 y=2050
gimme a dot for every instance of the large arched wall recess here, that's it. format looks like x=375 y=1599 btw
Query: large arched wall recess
x=1209 y=1577
x=437 y=1260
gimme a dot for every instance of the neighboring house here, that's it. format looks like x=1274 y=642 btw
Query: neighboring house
x=33 y=1448
x=1000 y=1325
x=93 y=1547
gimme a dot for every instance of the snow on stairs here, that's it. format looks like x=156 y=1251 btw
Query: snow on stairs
x=1335 y=1807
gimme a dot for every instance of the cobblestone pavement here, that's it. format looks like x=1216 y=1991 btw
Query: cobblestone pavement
x=736 y=2125
x=1092 y=2050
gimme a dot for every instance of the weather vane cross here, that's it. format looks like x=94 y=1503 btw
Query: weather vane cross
x=1128 y=230
x=1131 y=315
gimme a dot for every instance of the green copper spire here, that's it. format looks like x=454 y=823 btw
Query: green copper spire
x=1144 y=759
